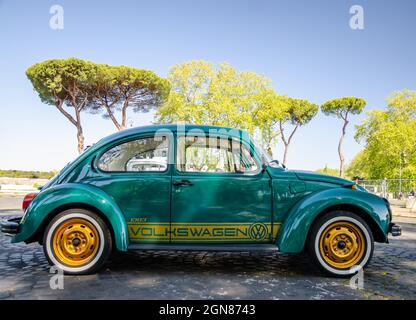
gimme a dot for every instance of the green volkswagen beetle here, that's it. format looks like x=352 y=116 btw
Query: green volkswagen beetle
x=177 y=187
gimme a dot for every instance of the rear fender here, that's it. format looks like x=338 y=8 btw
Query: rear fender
x=71 y=195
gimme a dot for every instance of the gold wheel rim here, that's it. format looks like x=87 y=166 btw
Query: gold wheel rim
x=342 y=245
x=76 y=242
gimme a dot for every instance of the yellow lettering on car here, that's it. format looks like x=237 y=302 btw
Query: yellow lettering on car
x=203 y=231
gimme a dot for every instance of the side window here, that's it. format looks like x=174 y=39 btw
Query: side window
x=216 y=155
x=141 y=155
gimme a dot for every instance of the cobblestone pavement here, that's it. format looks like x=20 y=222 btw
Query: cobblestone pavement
x=24 y=274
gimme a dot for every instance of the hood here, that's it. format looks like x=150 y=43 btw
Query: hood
x=315 y=176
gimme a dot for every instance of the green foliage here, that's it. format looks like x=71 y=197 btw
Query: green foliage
x=296 y=113
x=330 y=171
x=269 y=112
x=203 y=93
x=74 y=85
x=27 y=174
x=65 y=83
x=390 y=139
x=403 y=103
x=357 y=168
x=121 y=87
x=299 y=111
x=273 y=109
x=342 y=107
x=62 y=80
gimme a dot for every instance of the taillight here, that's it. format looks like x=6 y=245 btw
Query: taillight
x=28 y=199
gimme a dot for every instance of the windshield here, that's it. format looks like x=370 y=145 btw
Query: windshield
x=266 y=157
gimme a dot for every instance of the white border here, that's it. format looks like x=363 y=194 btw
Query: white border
x=353 y=269
x=49 y=238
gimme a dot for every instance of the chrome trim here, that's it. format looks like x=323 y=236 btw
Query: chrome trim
x=203 y=247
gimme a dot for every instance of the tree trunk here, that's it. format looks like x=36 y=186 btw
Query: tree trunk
x=59 y=104
x=123 y=122
x=80 y=134
x=287 y=142
x=285 y=154
x=112 y=117
x=341 y=155
x=80 y=137
x=76 y=122
x=124 y=115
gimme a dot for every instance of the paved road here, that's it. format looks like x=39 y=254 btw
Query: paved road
x=24 y=274
x=10 y=202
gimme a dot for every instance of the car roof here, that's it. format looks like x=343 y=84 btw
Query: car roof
x=171 y=127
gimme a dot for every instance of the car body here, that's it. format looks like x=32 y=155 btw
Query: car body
x=189 y=187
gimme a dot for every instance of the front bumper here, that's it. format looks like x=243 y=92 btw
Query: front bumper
x=11 y=226
x=395 y=230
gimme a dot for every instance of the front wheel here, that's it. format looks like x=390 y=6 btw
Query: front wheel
x=77 y=241
x=341 y=243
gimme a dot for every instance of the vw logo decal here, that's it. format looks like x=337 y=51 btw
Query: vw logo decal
x=258 y=231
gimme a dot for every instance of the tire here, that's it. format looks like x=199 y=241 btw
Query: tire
x=77 y=241
x=341 y=243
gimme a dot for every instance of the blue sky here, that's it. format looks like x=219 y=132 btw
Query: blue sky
x=306 y=47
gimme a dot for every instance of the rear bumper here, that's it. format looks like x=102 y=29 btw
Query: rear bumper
x=11 y=226
x=395 y=230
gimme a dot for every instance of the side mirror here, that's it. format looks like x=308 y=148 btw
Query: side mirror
x=276 y=162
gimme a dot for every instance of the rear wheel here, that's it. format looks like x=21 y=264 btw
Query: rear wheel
x=341 y=243
x=77 y=241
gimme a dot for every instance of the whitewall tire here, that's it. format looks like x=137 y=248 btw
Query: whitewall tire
x=77 y=241
x=341 y=243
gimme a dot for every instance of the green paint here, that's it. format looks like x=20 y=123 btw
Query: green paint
x=284 y=200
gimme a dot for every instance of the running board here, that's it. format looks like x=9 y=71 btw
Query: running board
x=204 y=247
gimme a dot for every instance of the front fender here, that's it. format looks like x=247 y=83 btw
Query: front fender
x=294 y=231
x=72 y=193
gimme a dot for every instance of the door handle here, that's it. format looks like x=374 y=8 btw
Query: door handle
x=179 y=183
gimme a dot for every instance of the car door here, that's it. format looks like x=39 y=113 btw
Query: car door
x=220 y=194
x=137 y=175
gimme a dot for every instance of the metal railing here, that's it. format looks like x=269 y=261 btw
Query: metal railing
x=390 y=188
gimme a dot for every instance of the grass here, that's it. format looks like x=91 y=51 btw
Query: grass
x=27 y=174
